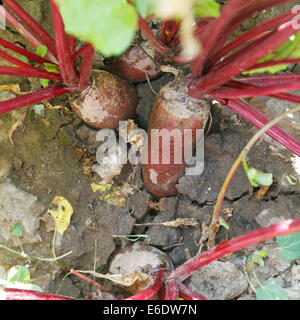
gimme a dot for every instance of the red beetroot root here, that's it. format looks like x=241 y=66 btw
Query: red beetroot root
x=106 y=102
x=173 y=109
x=134 y=64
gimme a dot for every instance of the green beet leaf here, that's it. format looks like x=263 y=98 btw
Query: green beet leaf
x=109 y=25
x=289 y=246
x=271 y=291
x=206 y=8
x=145 y=7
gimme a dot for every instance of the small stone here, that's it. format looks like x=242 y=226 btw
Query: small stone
x=38 y=112
x=83 y=132
x=17 y=206
x=116 y=219
x=218 y=281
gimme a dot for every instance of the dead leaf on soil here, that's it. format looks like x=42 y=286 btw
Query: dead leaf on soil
x=134 y=282
x=61 y=211
x=180 y=222
x=116 y=195
x=259 y=195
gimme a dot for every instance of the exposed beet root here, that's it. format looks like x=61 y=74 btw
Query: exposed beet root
x=134 y=63
x=139 y=257
x=106 y=102
x=173 y=109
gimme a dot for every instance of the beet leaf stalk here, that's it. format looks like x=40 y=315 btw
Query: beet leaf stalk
x=101 y=99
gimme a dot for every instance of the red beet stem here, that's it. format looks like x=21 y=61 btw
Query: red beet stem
x=227 y=92
x=230 y=246
x=52 y=91
x=30 y=73
x=274 y=63
x=86 y=67
x=262 y=81
x=257 y=118
x=241 y=15
x=156 y=44
x=171 y=290
x=71 y=40
x=32 y=25
x=23 y=52
x=20 y=294
x=24 y=32
x=187 y=294
x=252 y=35
x=286 y=96
x=152 y=291
x=216 y=28
x=27 y=67
x=241 y=61
x=66 y=65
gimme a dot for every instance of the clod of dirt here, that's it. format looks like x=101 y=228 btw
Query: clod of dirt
x=139 y=204
x=221 y=151
x=161 y=236
x=86 y=244
x=17 y=206
x=218 y=281
x=116 y=219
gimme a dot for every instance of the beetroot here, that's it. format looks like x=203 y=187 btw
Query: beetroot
x=134 y=64
x=106 y=102
x=173 y=109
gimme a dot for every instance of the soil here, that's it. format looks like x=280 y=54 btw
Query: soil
x=52 y=154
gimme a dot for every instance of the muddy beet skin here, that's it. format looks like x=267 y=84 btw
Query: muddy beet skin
x=173 y=109
x=134 y=63
x=106 y=102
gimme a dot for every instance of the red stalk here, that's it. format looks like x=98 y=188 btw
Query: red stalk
x=286 y=96
x=20 y=294
x=216 y=28
x=156 y=44
x=23 y=52
x=52 y=91
x=274 y=63
x=242 y=15
x=251 y=35
x=32 y=25
x=67 y=70
x=30 y=73
x=233 y=245
x=25 y=33
x=151 y=292
x=233 y=93
x=257 y=118
x=86 y=67
x=25 y=66
x=87 y=279
x=171 y=290
x=187 y=294
x=241 y=61
x=262 y=81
